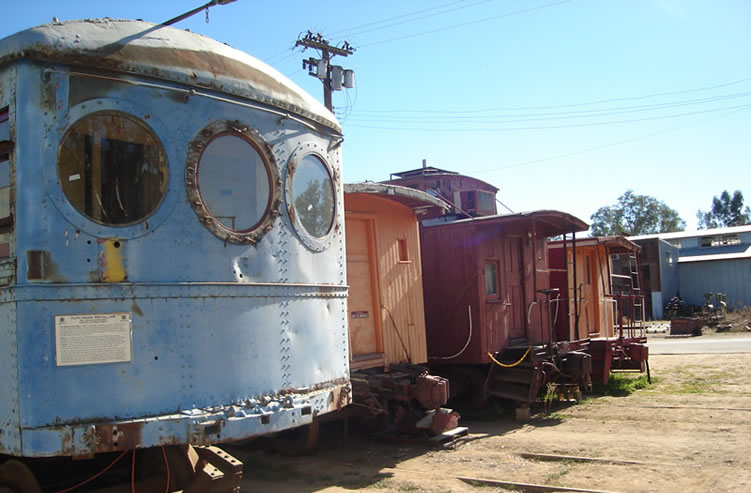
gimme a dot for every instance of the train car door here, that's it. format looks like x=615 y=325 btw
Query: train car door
x=496 y=312
x=365 y=333
x=514 y=279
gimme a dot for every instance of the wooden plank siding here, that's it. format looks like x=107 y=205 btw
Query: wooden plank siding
x=399 y=291
x=459 y=257
x=453 y=279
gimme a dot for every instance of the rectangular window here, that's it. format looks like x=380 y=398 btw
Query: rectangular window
x=589 y=279
x=668 y=258
x=486 y=202
x=403 y=250
x=731 y=240
x=491 y=279
x=6 y=222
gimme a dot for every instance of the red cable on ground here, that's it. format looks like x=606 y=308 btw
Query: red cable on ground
x=92 y=478
x=133 y=473
x=166 y=466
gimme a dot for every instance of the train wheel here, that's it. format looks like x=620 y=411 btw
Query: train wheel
x=298 y=441
x=16 y=477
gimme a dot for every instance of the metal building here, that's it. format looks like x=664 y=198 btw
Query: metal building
x=704 y=261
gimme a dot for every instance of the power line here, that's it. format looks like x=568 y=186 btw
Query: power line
x=469 y=23
x=356 y=32
x=571 y=105
x=604 y=112
x=549 y=127
x=611 y=144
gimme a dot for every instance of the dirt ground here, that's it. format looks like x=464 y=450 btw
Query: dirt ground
x=690 y=431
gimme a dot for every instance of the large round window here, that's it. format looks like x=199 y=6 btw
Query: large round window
x=234 y=183
x=313 y=196
x=112 y=168
x=230 y=181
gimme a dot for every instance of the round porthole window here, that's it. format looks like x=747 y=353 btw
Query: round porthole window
x=112 y=168
x=313 y=196
x=230 y=182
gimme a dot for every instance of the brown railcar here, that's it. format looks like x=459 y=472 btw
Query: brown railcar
x=601 y=300
x=489 y=305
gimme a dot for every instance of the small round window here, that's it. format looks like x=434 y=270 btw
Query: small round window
x=313 y=196
x=230 y=182
x=112 y=168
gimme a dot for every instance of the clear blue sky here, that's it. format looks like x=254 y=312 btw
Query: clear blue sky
x=560 y=104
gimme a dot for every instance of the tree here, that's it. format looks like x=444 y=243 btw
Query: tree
x=636 y=215
x=726 y=211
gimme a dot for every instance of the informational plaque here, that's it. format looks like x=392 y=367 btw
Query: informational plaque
x=92 y=339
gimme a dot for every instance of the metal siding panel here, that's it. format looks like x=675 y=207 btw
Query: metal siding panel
x=186 y=353
x=10 y=438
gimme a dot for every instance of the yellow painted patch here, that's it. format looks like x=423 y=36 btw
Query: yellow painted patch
x=112 y=261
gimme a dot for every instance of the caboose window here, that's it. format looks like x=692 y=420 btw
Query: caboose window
x=491 y=279
x=112 y=168
x=234 y=182
x=313 y=195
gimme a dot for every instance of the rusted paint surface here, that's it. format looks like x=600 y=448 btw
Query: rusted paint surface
x=112 y=260
x=165 y=53
x=264 y=414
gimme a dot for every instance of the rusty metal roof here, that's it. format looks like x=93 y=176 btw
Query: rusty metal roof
x=616 y=243
x=414 y=199
x=166 y=53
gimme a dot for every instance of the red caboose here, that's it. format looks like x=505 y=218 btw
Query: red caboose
x=489 y=305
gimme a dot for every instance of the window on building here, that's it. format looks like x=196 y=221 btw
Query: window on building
x=731 y=240
x=724 y=240
x=669 y=258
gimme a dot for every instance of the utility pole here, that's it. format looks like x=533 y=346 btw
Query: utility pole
x=333 y=77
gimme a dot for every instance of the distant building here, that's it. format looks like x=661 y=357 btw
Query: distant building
x=692 y=263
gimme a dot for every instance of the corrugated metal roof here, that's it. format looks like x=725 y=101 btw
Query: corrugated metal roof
x=165 y=53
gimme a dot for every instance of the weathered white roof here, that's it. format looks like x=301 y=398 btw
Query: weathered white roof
x=166 y=53
x=415 y=199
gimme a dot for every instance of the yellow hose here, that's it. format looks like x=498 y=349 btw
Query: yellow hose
x=511 y=365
